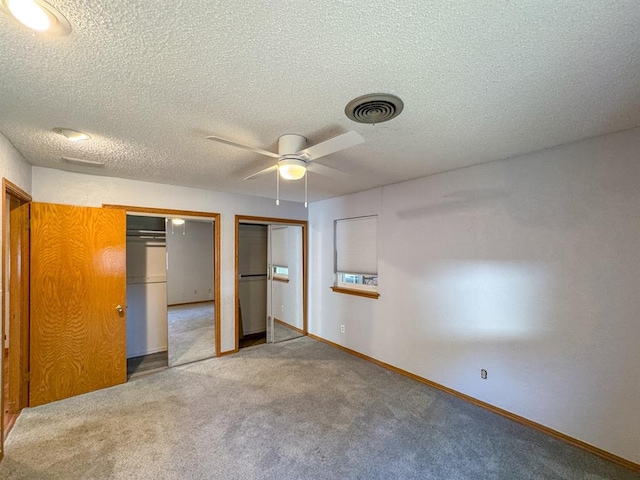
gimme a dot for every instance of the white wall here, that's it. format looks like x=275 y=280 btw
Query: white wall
x=57 y=186
x=13 y=166
x=527 y=267
x=146 y=297
x=190 y=262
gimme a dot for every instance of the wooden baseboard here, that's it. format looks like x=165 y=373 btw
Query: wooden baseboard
x=228 y=352
x=512 y=416
x=288 y=325
x=189 y=303
x=9 y=422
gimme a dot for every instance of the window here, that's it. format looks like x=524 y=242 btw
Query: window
x=279 y=254
x=280 y=273
x=356 y=256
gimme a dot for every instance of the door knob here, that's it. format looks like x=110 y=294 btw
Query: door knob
x=119 y=308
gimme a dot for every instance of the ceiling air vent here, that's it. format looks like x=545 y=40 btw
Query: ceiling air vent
x=374 y=108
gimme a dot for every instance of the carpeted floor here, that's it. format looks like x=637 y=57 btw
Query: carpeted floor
x=293 y=410
x=282 y=333
x=146 y=364
x=191 y=333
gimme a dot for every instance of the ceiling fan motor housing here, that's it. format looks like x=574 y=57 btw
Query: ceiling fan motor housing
x=291 y=143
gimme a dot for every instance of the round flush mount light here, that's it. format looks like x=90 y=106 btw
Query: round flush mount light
x=292 y=169
x=37 y=15
x=71 y=135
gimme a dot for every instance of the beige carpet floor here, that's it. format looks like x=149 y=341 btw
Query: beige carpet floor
x=191 y=333
x=293 y=410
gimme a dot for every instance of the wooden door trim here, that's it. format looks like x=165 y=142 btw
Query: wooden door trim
x=162 y=211
x=8 y=188
x=14 y=190
x=268 y=221
x=216 y=252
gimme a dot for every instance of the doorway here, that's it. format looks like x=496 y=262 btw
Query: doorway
x=15 y=306
x=172 y=288
x=270 y=280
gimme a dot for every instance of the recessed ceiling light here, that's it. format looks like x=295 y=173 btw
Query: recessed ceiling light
x=37 y=15
x=81 y=161
x=72 y=135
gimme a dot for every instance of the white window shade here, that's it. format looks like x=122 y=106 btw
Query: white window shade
x=357 y=245
x=279 y=255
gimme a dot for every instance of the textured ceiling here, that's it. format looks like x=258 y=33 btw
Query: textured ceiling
x=480 y=79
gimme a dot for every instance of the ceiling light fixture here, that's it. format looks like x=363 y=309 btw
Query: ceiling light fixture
x=81 y=161
x=71 y=135
x=178 y=222
x=37 y=15
x=292 y=169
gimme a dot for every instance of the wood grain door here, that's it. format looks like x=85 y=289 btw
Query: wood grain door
x=78 y=288
x=17 y=340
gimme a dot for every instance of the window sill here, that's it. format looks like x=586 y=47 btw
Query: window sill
x=280 y=279
x=356 y=291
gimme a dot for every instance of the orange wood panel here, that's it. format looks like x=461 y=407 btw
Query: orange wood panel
x=25 y=269
x=78 y=270
x=17 y=341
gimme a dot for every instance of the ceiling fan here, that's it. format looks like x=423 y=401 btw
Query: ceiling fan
x=295 y=159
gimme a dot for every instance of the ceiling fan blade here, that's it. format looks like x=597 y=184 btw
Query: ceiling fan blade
x=324 y=170
x=266 y=170
x=239 y=145
x=333 y=145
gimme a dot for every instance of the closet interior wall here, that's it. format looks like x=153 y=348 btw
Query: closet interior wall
x=146 y=286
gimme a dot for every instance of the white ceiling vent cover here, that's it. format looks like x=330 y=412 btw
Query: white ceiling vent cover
x=374 y=108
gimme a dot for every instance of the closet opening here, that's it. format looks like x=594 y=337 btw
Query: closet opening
x=172 y=287
x=147 y=341
x=270 y=280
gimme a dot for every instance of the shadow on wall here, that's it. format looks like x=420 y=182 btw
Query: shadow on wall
x=453 y=202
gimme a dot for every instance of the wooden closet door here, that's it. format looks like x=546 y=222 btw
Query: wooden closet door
x=78 y=289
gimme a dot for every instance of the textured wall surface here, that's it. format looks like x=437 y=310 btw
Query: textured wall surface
x=56 y=186
x=528 y=268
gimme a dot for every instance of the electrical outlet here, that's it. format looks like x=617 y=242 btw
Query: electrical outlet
x=282 y=308
x=483 y=374
x=341 y=328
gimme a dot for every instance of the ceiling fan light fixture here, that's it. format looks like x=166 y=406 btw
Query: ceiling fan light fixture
x=37 y=15
x=292 y=169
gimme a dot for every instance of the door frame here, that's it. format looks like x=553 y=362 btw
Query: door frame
x=268 y=221
x=216 y=251
x=10 y=189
